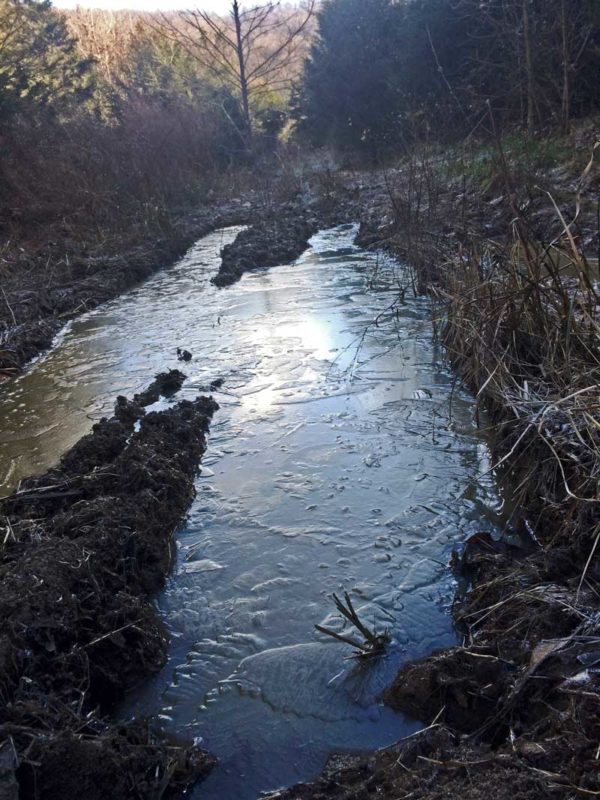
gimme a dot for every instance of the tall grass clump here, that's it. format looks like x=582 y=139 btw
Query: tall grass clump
x=523 y=331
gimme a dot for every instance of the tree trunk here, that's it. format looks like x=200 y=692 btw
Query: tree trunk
x=566 y=92
x=528 y=69
x=242 y=64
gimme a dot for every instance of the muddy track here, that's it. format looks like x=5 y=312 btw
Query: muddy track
x=41 y=292
x=512 y=712
x=86 y=545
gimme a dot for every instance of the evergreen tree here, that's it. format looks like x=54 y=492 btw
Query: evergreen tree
x=350 y=93
x=40 y=69
x=383 y=73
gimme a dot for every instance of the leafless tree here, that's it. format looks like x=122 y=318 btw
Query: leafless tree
x=249 y=51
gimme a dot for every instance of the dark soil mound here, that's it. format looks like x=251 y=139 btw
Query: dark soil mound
x=271 y=242
x=280 y=234
x=86 y=545
x=164 y=385
x=430 y=766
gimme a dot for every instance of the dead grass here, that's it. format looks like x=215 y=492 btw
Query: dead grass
x=523 y=331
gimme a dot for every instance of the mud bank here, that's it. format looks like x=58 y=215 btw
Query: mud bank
x=431 y=765
x=85 y=546
x=270 y=242
x=281 y=236
x=42 y=290
x=440 y=202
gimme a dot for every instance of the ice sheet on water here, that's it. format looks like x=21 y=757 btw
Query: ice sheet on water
x=313 y=680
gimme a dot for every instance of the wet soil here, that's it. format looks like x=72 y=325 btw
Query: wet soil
x=281 y=236
x=435 y=766
x=266 y=244
x=85 y=546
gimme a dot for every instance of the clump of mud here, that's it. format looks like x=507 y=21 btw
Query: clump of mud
x=85 y=546
x=431 y=766
x=165 y=384
x=281 y=235
x=276 y=240
x=526 y=684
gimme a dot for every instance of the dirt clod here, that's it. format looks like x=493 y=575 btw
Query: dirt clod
x=281 y=234
x=271 y=241
x=90 y=541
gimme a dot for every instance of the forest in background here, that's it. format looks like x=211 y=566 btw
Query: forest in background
x=113 y=121
x=384 y=75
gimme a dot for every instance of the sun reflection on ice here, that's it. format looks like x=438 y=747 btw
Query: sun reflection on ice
x=311 y=339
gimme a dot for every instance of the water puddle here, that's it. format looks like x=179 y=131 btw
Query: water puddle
x=338 y=462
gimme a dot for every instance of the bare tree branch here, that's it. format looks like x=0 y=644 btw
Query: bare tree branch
x=246 y=50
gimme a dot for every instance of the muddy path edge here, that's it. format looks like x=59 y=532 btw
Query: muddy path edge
x=85 y=548
x=282 y=235
x=34 y=307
